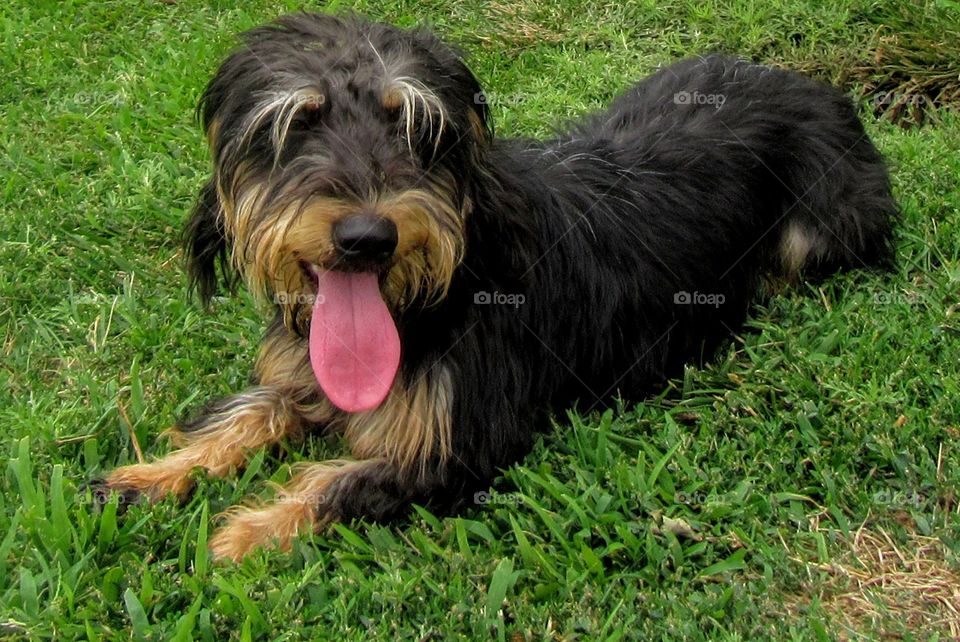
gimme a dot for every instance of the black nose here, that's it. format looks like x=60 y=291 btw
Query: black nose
x=365 y=236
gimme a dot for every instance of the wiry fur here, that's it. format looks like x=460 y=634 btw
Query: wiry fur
x=596 y=235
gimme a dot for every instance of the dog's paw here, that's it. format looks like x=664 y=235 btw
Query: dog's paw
x=272 y=527
x=151 y=482
x=101 y=492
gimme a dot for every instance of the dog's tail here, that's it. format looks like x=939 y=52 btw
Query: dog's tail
x=838 y=210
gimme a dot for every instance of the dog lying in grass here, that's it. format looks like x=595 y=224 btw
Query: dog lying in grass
x=438 y=292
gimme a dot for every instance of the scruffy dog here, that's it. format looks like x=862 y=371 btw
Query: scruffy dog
x=438 y=291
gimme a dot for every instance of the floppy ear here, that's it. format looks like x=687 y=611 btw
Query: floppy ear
x=206 y=247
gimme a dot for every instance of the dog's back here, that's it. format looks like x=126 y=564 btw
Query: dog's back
x=652 y=224
x=829 y=195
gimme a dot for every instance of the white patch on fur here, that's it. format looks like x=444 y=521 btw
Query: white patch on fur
x=796 y=245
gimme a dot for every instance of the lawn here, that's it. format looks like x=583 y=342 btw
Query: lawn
x=803 y=486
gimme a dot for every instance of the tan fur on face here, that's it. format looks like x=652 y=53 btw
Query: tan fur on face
x=410 y=429
x=266 y=250
x=297 y=510
x=393 y=99
x=429 y=247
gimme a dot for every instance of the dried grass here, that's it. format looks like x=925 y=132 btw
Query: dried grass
x=881 y=588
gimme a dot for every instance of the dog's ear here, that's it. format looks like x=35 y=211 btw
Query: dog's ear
x=206 y=247
x=480 y=120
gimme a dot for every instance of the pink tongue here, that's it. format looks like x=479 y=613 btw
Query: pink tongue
x=354 y=345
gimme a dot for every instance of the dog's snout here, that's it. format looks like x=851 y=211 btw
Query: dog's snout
x=365 y=236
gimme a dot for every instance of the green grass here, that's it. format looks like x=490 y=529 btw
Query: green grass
x=691 y=516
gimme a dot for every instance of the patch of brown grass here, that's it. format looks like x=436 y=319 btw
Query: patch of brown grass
x=519 y=25
x=879 y=587
x=907 y=79
x=908 y=69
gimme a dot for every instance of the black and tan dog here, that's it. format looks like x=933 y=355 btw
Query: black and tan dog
x=439 y=291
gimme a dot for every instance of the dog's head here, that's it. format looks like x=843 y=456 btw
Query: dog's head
x=341 y=150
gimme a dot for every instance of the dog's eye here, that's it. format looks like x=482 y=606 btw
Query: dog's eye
x=305 y=120
x=392 y=110
x=308 y=115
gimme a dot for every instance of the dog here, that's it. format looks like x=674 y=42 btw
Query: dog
x=437 y=292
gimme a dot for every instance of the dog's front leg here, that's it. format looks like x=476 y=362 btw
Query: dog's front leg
x=372 y=489
x=406 y=452
x=415 y=447
x=308 y=502
x=222 y=439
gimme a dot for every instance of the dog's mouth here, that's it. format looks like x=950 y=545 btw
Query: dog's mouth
x=354 y=344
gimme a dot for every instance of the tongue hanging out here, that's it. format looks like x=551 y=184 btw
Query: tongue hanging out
x=354 y=345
